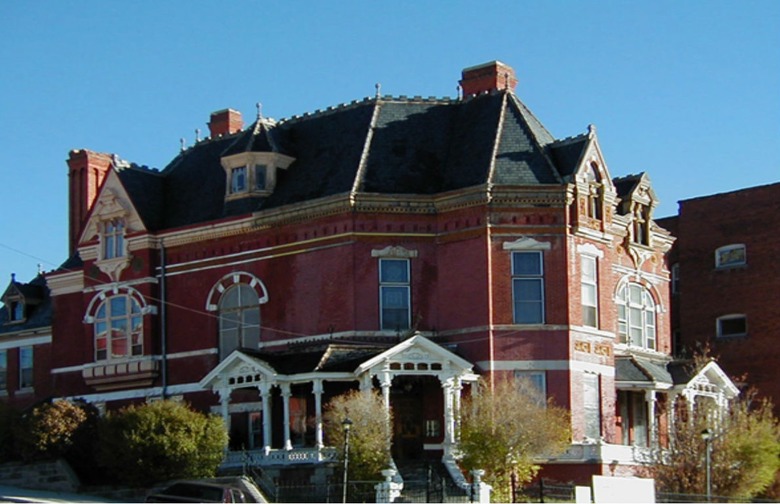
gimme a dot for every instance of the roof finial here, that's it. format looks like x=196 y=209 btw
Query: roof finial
x=460 y=92
x=40 y=269
x=259 y=110
x=197 y=135
x=13 y=277
x=591 y=129
x=181 y=142
x=378 y=87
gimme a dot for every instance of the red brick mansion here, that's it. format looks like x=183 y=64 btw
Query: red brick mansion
x=407 y=245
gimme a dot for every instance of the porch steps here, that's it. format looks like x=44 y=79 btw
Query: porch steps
x=427 y=481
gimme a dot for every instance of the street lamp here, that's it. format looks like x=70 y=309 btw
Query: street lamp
x=706 y=435
x=347 y=424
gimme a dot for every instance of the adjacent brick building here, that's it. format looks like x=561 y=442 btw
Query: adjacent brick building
x=726 y=280
x=404 y=244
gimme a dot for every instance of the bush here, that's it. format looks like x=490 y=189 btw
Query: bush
x=50 y=430
x=145 y=444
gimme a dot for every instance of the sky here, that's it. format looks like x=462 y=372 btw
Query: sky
x=687 y=91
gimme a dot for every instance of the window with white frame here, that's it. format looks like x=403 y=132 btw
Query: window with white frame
x=3 y=370
x=732 y=326
x=238 y=180
x=528 y=287
x=239 y=319
x=394 y=294
x=113 y=238
x=730 y=256
x=533 y=383
x=26 y=367
x=590 y=292
x=636 y=316
x=591 y=404
x=118 y=324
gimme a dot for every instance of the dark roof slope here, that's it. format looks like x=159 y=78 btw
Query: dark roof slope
x=567 y=153
x=413 y=146
x=331 y=357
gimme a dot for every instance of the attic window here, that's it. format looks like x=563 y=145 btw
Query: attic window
x=595 y=188
x=238 y=180
x=17 y=311
x=113 y=238
x=252 y=173
x=641 y=224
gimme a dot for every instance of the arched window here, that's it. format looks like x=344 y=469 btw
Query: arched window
x=239 y=319
x=636 y=316
x=118 y=326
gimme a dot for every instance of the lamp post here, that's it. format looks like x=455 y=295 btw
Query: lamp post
x=347 y=424
x=706 y=435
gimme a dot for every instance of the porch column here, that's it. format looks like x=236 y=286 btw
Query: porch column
x=285 y=387
x=386 y=382
x=224 y=404
x=449 y=415
x=457 y=391
x=265 y=394
x=317 y=389
x=652 y=440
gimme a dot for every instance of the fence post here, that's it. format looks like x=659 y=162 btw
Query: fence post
x=388 y=490
x=480 y=490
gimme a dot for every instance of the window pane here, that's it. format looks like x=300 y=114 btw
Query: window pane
x=247 y=296
x=395 y=297
x=527 y=263
x=589 y=316
x=635 y=294
x=589 y=294
x=394 y=270
x=589 y=269
x=395 y=319
x=260 y=174
x=118 y=306
x=528 y=290
x=734 y=326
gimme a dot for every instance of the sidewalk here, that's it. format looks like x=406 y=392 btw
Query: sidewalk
x=13 y=494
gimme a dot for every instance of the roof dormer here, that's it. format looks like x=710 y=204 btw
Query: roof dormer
x=18 y=299
x=252 y=162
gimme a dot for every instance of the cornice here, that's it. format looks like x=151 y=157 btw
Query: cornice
x=68 y=282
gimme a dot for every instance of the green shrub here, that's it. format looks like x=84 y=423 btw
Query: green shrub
x=144 y=444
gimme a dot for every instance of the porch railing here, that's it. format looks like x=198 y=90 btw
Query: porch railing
x=261 y=457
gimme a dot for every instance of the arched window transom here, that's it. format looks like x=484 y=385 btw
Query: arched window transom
x=118 y=324
x=239 y=319
x=636 y=316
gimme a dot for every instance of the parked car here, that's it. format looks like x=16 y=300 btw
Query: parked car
x=207 y=490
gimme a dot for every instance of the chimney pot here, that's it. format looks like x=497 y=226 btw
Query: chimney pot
x=487 y=77
x=225 y=122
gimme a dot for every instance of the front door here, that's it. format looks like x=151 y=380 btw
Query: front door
x=408 y=423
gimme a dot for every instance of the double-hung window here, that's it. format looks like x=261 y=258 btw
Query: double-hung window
x=394 y=294
x=636 y=316
x=528 y=287
x=590 y=292
x=113 y=239
x=239 y=319
x=26 y=367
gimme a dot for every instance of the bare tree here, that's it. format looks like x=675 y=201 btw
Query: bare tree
x=369 y=439
x=745 y=446
x=506 y=429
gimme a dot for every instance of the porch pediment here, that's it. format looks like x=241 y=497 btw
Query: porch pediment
x=710 y=379
x=418 y=355
x=239 y=370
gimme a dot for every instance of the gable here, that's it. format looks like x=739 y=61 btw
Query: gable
x=112 y=202
x=417 y=354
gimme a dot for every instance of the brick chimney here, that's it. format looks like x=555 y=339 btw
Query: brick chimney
x=225 y=122
x=86 y=173
x=487 y=77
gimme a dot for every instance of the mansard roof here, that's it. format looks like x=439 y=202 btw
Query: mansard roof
x=384 y=145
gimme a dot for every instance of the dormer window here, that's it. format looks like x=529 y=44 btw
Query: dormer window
x=238 y=180
x=17 y=311
x=113 y=237
x=595 y=188
x=261 y=172
x=641 y=225
x=252 y=174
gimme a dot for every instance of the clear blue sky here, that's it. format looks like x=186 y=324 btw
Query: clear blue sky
x=688 y=91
